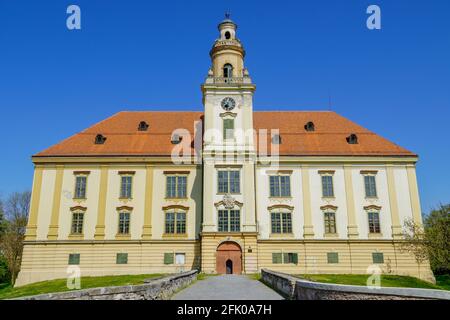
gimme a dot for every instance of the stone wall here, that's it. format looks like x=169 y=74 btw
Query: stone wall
x=298 y=289
x=152 y=289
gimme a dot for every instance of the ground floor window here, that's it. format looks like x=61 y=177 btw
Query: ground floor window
x=378 y=257
x=286 y=257
x=229 y=220
x=74 y=258
x=122 y=258
x=180 y=258
x=333 y=257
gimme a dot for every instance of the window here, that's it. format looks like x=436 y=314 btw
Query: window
x=176 y=139
x=286 y=257
x=143 y=126
x=309 y=126
x=330 y=222
x=280 y=186
x=168 y=258
x=74 y=259
x=378 y=257
x=80 y=187
x=333 y=257
x=352 y=139
x=281 y=222
x=77 y=223
x=100 y=139
x=277 y=258
x=122 y=258
x=290 y=257
x=176 y=186
x=229 y=220
x=370 y=185
x=175 y=222
x=125 y=187
x=124 y=222
x=228 y=181
x=227 y=70
x=276 y=139
x=180 y=258
x=228 y=129
x=374 y=222
x=327 y=186
x=227 y=35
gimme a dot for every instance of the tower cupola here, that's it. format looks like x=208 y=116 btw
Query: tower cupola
x=227 y=55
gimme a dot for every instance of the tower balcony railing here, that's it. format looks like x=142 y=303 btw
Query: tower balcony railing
x=228 y=80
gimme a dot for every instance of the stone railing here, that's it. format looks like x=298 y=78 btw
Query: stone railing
x=152 y=289
x=230 y=80
x=298 y=289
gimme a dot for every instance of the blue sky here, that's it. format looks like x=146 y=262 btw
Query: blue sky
x=153 y=55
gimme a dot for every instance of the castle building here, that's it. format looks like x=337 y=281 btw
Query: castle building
x=226 y=190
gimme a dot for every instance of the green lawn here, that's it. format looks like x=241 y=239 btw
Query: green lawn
x=443 y=282
x=59 y=285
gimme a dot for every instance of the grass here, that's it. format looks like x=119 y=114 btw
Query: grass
x=203 y=276
x=254 y=276
x=386 y=280
x=60 y=285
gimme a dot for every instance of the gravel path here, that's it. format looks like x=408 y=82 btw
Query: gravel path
x=227 y=287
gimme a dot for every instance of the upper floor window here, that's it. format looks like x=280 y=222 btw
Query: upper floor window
x=330 y=222
x=276 y=139
x=370 y=186
x=281 y=222
x=229 y=220
x=228 y=181
x=228 y=129
x=80 y=186
x=227 y=70
x=280 y=186
x=77 y=222
x=175 y=222
x=176 y=186
x=327 y=186
x=374 y=222
x=124 y=222
x=126 y=186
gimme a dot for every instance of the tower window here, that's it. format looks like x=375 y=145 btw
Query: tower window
x=100 y=139
x=227 y=70
x=309 y=126
x=143 y=126
x=227 y=35
x=352 y=139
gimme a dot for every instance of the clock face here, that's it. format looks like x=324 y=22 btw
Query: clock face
x=228 y=104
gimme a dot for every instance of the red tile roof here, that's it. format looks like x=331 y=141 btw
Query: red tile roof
x=124 y=139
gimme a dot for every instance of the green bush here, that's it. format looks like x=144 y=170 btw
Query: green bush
x=5 y=276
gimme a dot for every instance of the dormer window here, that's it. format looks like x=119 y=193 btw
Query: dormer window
x=276 y=139
x=352 y=139
x=100 y=139
x=143 y=126
x=309 y=126
x=176 y=139
x=227 y=70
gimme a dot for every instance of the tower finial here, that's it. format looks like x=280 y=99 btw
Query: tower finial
x=227 y=14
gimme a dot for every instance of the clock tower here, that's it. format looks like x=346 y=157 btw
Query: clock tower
x=229 y=156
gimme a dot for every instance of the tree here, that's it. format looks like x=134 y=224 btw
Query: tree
x=437 y=229
x=414 y=242
x=11 y=244
x=4 y=272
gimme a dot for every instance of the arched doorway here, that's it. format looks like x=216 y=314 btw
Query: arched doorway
x=229 y=258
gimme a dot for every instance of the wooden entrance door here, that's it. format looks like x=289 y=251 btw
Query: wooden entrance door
x=229 y=258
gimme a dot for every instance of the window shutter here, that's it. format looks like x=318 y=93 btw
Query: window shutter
x=378 y=257
x=168 y=258
x=276 y=257
x=74 y=258
x=122 y=258
x=333 y=257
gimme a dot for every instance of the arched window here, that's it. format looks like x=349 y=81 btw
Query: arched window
x=227 y=35
x=227 y=70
